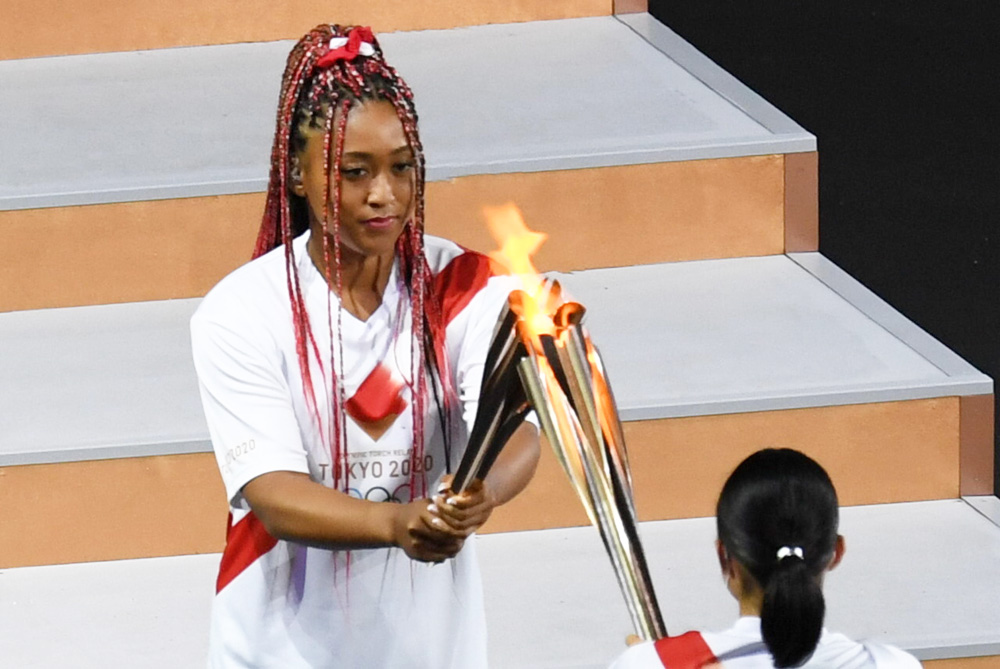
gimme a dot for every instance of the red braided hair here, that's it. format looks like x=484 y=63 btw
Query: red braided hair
x=320 y=85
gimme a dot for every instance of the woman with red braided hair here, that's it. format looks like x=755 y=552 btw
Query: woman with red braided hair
x=339 y=370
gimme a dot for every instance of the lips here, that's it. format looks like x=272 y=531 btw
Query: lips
x=381 y=223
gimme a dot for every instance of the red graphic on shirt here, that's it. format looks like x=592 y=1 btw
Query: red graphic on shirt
x=246 y=541
x=377 y=402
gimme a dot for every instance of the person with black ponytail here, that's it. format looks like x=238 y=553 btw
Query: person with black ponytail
x=777 y=521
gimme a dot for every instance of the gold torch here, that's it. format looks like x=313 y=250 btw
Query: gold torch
x=540 y=338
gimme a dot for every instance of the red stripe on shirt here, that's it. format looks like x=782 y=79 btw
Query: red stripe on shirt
x=459 y=282
x=246 y=541
x=687 y=651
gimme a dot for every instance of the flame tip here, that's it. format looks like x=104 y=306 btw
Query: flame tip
x=538 y=299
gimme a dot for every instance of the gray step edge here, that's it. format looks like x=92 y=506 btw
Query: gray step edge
x=551 y=597
x=719 y=80
x=943 y=373
x=250 y=175
x=893 y=321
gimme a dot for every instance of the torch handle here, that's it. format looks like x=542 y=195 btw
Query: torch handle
x=504 y=398
x=503 y=435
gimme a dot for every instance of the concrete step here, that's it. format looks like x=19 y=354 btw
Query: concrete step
x=918 y=575
x=143 y=178
x=710 y=360
x=27 y=29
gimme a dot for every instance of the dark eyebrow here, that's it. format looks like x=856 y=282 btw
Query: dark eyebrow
x=365 y=155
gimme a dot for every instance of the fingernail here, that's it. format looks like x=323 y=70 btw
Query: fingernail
x=432 y=508
x=437 y=522
x=442 y=486
x=452 y=500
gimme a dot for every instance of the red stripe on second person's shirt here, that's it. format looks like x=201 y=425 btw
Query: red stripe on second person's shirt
x=687 y=651
x=246 y=541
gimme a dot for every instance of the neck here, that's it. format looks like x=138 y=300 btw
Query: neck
x=746 y=590
x=363 y=278
x=750 y=605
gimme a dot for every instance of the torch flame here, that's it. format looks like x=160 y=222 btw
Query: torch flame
x=563 y=379
x=517 y=242
x=517 y=245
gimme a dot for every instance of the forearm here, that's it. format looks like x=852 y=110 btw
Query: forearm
x=515 y=465
x=292 y=507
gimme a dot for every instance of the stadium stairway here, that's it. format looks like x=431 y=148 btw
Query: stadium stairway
x=681 y=209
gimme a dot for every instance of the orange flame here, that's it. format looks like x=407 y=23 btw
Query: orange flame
x=517 y=242
x=517 y=245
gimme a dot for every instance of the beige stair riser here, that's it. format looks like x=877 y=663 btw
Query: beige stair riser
x=111 y=509
x=801 y=202
x=984 y=662
x=97 y=26
x=172 y=505
x=977 y=429
x=631 y=6
x=602 y=217
x=875 y=453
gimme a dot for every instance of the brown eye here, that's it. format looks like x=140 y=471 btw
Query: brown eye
x=403 y=167
x=352 y=172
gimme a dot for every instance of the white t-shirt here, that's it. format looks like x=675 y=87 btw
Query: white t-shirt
x=741 y=647
x=282 y=604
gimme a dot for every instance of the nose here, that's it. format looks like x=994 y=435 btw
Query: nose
x=380 y=191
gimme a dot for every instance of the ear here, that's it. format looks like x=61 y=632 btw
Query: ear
x=839 y=548
x=725 y=564
x=295 y=176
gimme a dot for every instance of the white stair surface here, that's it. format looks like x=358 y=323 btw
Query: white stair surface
x=757 y=334
x=679 y=339
x=521 y=97
x=920 y=575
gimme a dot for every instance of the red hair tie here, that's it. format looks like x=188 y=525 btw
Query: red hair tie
x=359 y=41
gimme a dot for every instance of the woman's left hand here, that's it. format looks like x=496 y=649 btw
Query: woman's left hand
x=465 y=511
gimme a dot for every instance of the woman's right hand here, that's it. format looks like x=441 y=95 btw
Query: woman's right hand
x=423 y=535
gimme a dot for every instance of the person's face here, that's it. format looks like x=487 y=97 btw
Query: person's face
x=377 y=180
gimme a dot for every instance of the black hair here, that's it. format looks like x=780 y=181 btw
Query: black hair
x=779 y=500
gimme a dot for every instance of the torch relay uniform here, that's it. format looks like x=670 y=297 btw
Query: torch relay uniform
x=283 y=604
x=741 y=647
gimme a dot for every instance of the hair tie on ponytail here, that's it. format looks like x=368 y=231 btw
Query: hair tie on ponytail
x=788 y=551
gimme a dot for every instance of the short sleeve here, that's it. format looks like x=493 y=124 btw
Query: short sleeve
x=247 y=403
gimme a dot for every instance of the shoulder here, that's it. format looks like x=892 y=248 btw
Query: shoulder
x=248 y=291
x=440 y=252
x=890 y=657
x=248 y=313
x=837 y=649
x=448 y=260
x=685 y=651
x=461 y=275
